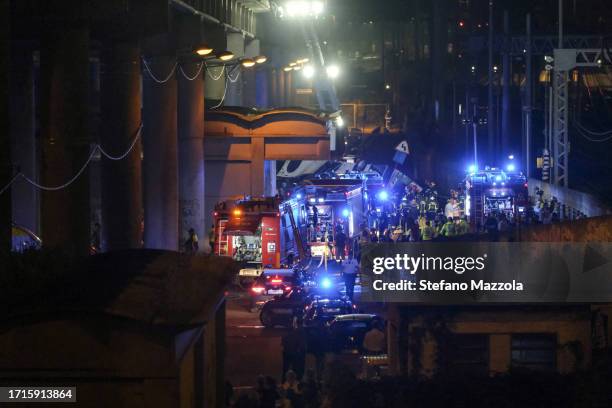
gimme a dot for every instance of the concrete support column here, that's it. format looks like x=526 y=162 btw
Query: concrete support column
x=191 y=153
x=121 y=119
x=250 y=85
x=281 y=88
x=270 y=178
x=5 y=141
x=257 y=170
x=262 y=97
x=289 y=92
x=160 y=167
x=25 y=197
x=64 y=74
x=235 y=91
x=273 y=87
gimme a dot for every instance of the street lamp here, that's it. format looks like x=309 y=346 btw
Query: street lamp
x=225 y=55
x=287 y=69
x=333 y=71
x=308 y=72
x=303 y=8
x=248 y=62
x=260 y=59
x=203 y=50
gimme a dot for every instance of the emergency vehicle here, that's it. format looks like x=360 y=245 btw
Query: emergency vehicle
x=259 y=232
x=494 y=191
x=328 y=206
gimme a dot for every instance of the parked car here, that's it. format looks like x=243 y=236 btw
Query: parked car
x=271 y=283
x=346 y=332
x=283 y=309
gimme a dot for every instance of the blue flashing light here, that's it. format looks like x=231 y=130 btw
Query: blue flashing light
x=511 y=157
x=383 y=195
x=472 y=168
x=298 y=196
x=345 y=212
x=498 y=178
x=326 y=283
x=511 y=167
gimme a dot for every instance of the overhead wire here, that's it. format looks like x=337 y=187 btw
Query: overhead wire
x=154 y=77
x=95 y=149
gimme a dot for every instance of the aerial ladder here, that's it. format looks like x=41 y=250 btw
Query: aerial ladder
x=323 y=86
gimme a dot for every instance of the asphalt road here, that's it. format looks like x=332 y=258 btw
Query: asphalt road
x=251 y=349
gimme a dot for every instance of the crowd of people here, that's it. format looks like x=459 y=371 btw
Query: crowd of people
x=415 y=215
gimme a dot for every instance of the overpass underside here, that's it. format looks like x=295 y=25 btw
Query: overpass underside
x=241 y=149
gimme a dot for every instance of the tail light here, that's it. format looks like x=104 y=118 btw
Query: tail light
x=258 y=289
x=287 y=288
x=277 y=280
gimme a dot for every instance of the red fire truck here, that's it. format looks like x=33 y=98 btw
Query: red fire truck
x=494 y=191
x=259 y=232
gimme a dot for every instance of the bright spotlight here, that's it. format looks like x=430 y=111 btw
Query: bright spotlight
x=339 y=122
x=298 y=196
x=511 y=167
x=316 y=7
x=345 y=212
x=383 y=195
x=511 y=157
x=308 y=71
x=326 y=283
x=302 y=8
x=312 y=200
x=321 y=200
x=472 y=168
x=333 y=71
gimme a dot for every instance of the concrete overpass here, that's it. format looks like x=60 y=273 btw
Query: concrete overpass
x=242 y=145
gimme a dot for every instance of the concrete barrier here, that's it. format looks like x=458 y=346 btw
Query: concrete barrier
x=574 y=201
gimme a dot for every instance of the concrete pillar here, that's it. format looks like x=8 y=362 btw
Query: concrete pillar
x=160 y=167
x=5 y=141
x=121 y=118
x=273 y=87
x=281 y=88
x=262 y=97
x=270 y=178
x=257 y=168
x=249 y=76
x=191 y=153
x=64 y=73
x=289 y=88
x=25 y=197
x=234 y=97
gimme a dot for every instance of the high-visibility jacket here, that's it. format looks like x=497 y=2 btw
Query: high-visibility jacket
x=427 y=233
x=448 y=229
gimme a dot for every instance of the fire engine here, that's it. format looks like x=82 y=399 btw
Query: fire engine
x=259 y=232
x=494 y=191
x=330 y=205
x=266 y=232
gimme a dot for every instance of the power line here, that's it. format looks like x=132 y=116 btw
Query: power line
x=96 y=148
